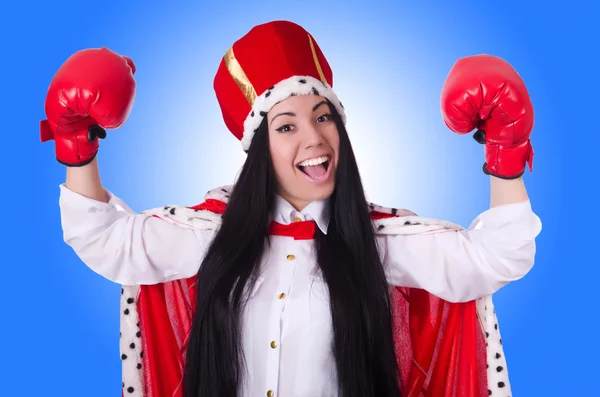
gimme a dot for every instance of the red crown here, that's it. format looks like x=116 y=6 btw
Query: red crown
x=271 y=62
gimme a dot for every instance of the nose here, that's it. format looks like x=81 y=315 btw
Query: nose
x=312 y=136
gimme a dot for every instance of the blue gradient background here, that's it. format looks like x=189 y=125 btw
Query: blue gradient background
x=60 y=321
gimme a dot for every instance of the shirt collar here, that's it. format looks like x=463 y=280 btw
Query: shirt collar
x=318 y=211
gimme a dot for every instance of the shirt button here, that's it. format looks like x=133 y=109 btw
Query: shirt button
x=291 y=257
x=282 y=295
x=273 y=344
x=297 y=219
x=270 y=393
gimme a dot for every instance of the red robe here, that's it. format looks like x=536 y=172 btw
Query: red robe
x=443 y=348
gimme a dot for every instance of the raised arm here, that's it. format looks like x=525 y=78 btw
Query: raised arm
x=482 y=93
x=120 y=245
x=85 y=181
x=458 y=266
x=507 y=191
x=93 y=91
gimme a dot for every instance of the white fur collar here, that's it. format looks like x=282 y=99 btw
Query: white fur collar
x=404 y=221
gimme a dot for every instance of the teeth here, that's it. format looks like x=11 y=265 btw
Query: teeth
x=315 y=161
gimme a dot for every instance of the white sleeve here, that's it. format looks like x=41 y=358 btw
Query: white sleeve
x=129 y=248
x=459 y=266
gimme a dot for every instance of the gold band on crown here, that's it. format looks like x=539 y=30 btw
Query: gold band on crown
x=316 y=59
x=239 y=76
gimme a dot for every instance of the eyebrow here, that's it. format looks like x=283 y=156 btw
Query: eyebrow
x=318 y=105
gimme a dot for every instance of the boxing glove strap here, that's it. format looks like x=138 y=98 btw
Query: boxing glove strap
x=79 y=164
x=46 y=133
x=77 y=149
x=508 y=162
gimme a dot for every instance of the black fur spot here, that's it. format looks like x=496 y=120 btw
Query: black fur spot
x=501 y=384
x=262 y=114
x=498 y=355
x=495 y=326
x=394 y=211
x=499 y=368
x=130 y=389
x=252 y=114
x=489 y=392
x=302 y=81
x=129 y=300
x=123 y=357
x=407 y=223
x=126 y=311
x=293 y=94
x=314 y=90
x=122 y=290
x=267 y=94
x=138 y=334
x=172 y=212
x=487 y=334
x=270 y=88
x=139 y=366
x=142 y=354
x=341 y=105
x=132 y=346
x=380 y=227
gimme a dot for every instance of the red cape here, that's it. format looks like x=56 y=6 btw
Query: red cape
x=441 y=346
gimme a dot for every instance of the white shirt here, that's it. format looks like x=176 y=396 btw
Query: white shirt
x=287 y=329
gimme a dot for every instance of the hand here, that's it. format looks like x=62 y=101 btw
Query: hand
x=484 y=92
x=92 y=91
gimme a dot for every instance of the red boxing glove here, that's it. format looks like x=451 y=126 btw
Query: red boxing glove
x=484 y=92
x=93 y=90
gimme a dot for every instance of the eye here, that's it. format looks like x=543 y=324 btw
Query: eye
x=324 y=118
x=284 y=128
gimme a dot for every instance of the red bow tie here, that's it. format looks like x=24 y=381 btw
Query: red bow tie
x=304 y=230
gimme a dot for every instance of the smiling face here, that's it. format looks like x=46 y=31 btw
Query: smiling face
x=304 y=143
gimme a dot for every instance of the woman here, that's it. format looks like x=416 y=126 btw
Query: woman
x=292 y=289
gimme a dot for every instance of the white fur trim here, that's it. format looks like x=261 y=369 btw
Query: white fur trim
x=412 y=224
x=187 y=217
x=131 y=343
x=497 y=371
x=296 y=85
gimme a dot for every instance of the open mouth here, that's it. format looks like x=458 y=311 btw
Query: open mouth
x=315 y=168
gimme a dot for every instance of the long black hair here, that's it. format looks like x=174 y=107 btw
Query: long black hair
x=350 y=264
